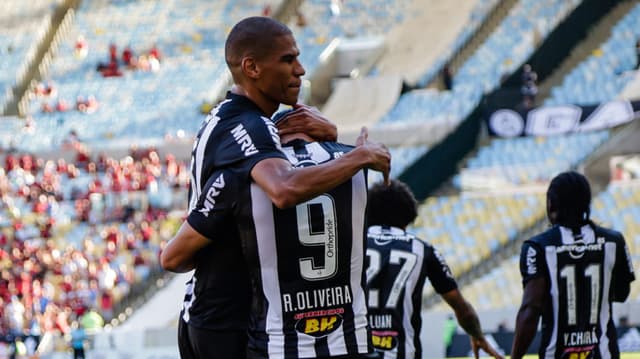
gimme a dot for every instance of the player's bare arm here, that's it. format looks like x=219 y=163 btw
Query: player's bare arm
x=308 y=120
x=528 y=316
x=469 y=321
x=287 y=186
x=178 y=256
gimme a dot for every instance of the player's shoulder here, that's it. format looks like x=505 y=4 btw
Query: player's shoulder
x=607 y=233
x=548 y=237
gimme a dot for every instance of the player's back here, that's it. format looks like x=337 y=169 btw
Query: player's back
x=397 y=265
x=581 y=267
x=306 y=263
x=233 y=138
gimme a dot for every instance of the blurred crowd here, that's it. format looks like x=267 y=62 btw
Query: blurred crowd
x=75 y=238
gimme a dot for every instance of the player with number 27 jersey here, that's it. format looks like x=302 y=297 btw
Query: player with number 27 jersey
x=397 y=265
x=306 y=265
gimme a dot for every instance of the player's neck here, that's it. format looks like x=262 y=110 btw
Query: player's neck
x=267 y=106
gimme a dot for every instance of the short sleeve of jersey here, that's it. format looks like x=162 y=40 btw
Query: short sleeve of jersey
x=438 y=271
x=623 y=272
x=212 y=215
x=532 y=262
x=249 y=141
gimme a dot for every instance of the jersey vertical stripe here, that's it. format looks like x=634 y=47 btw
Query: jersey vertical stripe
x=609 y=262
x=265 y=238
x=359 y=200
x=337 y=345
x=306 y=346
x=552 y=264
x=197 y=156
x=409 y=333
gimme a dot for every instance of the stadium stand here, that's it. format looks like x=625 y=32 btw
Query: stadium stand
x=528 y=23
x=356 y=18
x=534 y=160
x=139 y=106
x=401 y=158
x=601 y=77
x=82 y=235
x=22 y=27
x=436 y=30
x=527 y=160
x=362 y=102
x=632 y=90
x=604 y=74
x=465 y=230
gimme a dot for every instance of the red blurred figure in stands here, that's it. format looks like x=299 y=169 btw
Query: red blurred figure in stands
x=48 y=90
x=154 y=52
x=62 y=106
x=26 y=162
x=110 y=69
x=47 y=108
x=90 y=105
x=81 y=49
x=113 y=53
x=266 y=10
x=127 y=56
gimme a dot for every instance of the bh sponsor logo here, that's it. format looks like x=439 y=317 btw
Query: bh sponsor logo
x=319 y=323
x=384 y=340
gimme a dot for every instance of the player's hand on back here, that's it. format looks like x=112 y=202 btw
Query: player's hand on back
x=379 y=157
x=310 y=121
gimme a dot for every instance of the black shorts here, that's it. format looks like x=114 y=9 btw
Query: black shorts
x=196 y=343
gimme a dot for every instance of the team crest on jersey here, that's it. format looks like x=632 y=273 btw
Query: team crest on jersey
x=384 y=340
x=320 y=323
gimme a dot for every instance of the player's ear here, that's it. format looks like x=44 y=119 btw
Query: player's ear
x=250 y=67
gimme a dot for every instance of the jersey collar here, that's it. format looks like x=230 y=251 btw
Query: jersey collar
x=243 y=101
x=386 y=230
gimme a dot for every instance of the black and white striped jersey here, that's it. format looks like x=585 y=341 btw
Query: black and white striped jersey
x=305 y=265
x=586 y=271
x=397 y=265
x=234 y=137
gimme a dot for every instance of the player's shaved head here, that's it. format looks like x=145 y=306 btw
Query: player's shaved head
x=253 y=37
